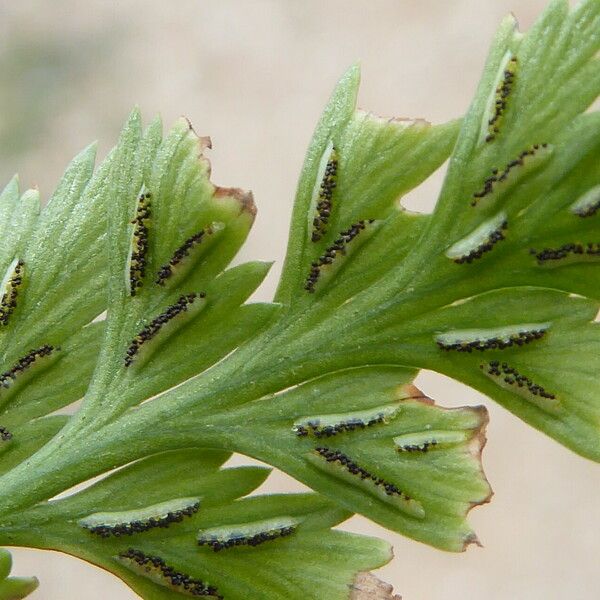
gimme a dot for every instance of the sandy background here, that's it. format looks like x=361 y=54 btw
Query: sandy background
x=255 y=75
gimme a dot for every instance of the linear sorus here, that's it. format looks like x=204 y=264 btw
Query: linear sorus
x=158 y=571
x=162 y=321
x=10 y=286
x=567 y=253
x=588 y=204
x=25 y=363
x=190 y=246
x=423 y=441
x=501 y=95
x=527 y=160
x=329 y=425
x=139 y=520
x=247 y=534
x=330 y=259
x=327 y=178
x=139 y=242
x=499 y=338
x=343 y=467
x=478 y=242
x=5 y=434
x=509 y=378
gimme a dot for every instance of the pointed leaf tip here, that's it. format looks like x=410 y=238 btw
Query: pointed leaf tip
x=134 y=119
x=346 y=90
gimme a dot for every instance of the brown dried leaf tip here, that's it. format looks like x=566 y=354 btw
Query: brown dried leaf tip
x=368 y=587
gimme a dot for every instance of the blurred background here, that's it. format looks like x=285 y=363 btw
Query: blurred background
x=254 y=75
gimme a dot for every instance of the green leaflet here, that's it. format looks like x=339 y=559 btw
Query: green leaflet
x=13 y=588
x=48 y=347
x=379 y=161
x=159 y=485
x=303 y=556
x=63 y=290
x=439 y=486
x=563 y=359
x=181 y=203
